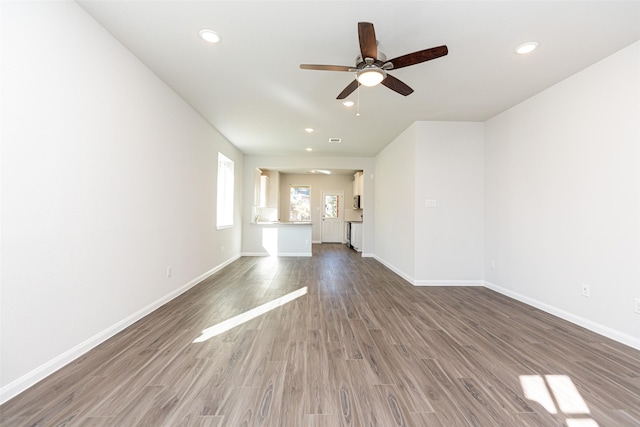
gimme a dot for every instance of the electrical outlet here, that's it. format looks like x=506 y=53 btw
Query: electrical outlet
x=637 y=305
x=169 y=271
x=221 y=249
x=586 y=290
x=493 y=264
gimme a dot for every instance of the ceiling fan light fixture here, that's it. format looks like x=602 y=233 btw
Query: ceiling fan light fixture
x=371 y=76
x=348 y=103
x=528 y=47
x=209 y=36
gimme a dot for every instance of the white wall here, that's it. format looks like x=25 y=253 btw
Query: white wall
x=108 y=177
x=395 y=204
x=562 y=198
x=441 y=161
x=251 y=237
x=449 y=245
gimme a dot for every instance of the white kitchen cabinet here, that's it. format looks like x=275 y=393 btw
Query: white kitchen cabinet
x=264 y=191
x=358 y=181
x=356 y=236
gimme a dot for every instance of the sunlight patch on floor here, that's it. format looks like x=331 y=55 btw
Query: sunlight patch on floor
x=558 y=394
x=231 y=323
x=581 y=422
x=535 y=389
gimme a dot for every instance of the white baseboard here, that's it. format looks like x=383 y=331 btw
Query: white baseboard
x=21 y=384
x=613 y=334
x=28 y=380
x=393 y=268
x=448 y=283
x=415 y=282
x=285 y=254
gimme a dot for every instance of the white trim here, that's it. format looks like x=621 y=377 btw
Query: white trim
x=415 y=282
x=394 y=269
x=31 y=378
x=294 y=254
x=448 y=283
x=286 y=254
x=606 y=331
x=615 y=335
x=28 y=380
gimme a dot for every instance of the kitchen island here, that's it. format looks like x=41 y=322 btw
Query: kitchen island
x=280 y=239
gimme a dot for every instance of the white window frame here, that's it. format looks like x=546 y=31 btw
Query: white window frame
x=224 y=218
x=291 y=186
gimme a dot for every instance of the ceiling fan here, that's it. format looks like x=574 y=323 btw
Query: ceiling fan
x=372 y=66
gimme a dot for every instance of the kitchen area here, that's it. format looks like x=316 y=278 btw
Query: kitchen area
x=298 y=208
x=355 y=216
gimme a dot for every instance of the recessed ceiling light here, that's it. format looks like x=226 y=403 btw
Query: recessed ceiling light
x=309 y=149
x=527 y=48
x=209 y=36
x=348 y=103
x=309 y=130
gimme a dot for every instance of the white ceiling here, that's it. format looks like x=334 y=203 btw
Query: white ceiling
x=251 y=89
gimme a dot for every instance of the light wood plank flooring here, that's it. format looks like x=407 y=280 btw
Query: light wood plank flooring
x=361 y=348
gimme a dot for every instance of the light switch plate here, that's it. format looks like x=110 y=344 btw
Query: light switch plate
x=430 y=203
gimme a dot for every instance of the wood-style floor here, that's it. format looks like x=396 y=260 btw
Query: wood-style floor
x=361 y=348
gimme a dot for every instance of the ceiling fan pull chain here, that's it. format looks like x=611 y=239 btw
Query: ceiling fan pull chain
x=358 y=99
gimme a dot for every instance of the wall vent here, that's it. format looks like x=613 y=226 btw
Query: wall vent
x=335 y=140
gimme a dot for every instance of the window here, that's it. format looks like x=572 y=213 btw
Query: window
x=331 y=206
x=300 y=203
x=225 y=191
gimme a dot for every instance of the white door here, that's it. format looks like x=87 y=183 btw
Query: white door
x=332 y=222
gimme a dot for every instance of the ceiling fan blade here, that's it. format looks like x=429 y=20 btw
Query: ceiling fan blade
x=418 y=57
x=348 y=90
x=326 y=67
x=368 y=43
x=397 y=86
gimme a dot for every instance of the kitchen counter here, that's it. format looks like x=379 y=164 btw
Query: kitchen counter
x=283 y=223
x=275 y=238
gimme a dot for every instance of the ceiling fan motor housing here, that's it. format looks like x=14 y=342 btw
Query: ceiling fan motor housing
x=382 y=58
